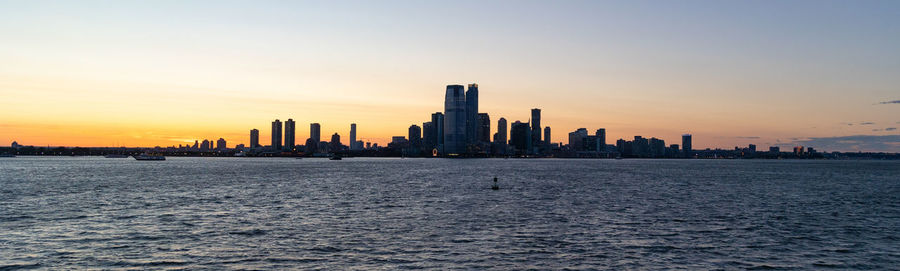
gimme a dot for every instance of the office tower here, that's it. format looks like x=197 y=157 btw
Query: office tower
x=752 y=148
x=686 y=145
x=657 y=147
x=455 y=120
x=501 y=131
x=536 y=127
x=315 y=136
x=577 y=139
x=276 y=134
x=438 y=119
x=254 y=138
x=353 y=145
x=640 y=146
x=520 y=137
x=547 y=137
x=204 y=146
x=336 y=142
x=601 y=139
x=289 y=135
x=484 y=128
x=472 y=114
x=415 y=136
x=220 y=144
x=428 y=136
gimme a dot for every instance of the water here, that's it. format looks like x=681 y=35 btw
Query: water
x=271 y=213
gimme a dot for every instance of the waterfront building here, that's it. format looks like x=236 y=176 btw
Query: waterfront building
x=686 y=145
x=455 y=120
x=276 y=134
x=254 y=139
x=289 y=135
x=472 y=114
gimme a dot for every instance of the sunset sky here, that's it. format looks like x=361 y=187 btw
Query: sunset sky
x=144 y=73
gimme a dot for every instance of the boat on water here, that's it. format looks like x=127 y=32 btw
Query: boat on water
x=116 y=156
x=149 y=157
x=335 y=157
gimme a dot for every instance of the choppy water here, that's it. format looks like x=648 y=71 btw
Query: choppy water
x=246 y=213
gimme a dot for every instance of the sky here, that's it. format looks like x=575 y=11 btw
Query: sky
x=159 y=73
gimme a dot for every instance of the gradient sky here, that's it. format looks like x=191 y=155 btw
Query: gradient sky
x=146 y=73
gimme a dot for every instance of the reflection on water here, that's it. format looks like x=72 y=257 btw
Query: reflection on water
x=221 y=213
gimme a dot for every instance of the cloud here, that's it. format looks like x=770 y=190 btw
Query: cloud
x=748 y=137
x=890 y=129
x=866 y=123
x=866 y=143
x=890 y=102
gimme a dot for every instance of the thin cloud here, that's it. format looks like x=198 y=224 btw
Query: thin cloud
x=890 y=129
x=866 y=123
x=748 y=137
x=890 y=102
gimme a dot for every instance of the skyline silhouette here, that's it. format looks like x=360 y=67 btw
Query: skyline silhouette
x=146 y=74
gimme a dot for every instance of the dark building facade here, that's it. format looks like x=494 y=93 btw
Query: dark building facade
x=455 y=120
x=276 y=134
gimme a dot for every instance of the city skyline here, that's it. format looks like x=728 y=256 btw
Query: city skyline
x=730 y=74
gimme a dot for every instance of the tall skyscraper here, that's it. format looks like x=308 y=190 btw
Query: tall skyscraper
x=686 y=145
x=483 y=133
x=415 y=136
x=336 y=142
x=438 y=119
x=276 y=134
x=428 y=136
x=315 y=132
x=254 y=138
x=353 y=145
x=601 y=139
x=289 y=135
x=547 y=137
x=455 y=120
x=536 y=127
x=520 y=137
x=472 y=114
x=501 y=132
x=221 y=144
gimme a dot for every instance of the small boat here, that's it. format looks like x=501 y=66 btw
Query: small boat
x=335 y=157
x=495 y=186
x=116 y=156
x=149 y=157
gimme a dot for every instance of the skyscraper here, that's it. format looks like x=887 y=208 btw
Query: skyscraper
x=536 y=127
x=336 y=142
x=415 y=136
x=577 y=138
x=520 y=137
x=501 y=132
x=254 y=138
x=472 y=114
x=438 y=119
x=547 y=137
x=276 y=134
x=315 y=132
x=686 y=144
x=455 y=120
x=428 y=136
x=601 y=141
x=483 y=133
x=289 y=135
x=353 y=145
x=220 y=144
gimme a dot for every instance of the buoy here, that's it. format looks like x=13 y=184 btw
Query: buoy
x=495 y=186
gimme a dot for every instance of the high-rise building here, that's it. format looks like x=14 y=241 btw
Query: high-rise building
x=536 y=127
x=315 y=136
x=472 y=114
x=601 y=139
x=289 y=135
x=484 y=128
x=276 y=134
x=438 y=119
x=205 y=146
x=221 y=144
x=547 y=137
x=415 y=136
x=686 y=145
x=455 y=120
x=336 y=142
x=353 y=144
x=520 y=137
x=577 y=139
x=254 y=138
x=428 y=136
x=657 y=147
x=501 y=132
